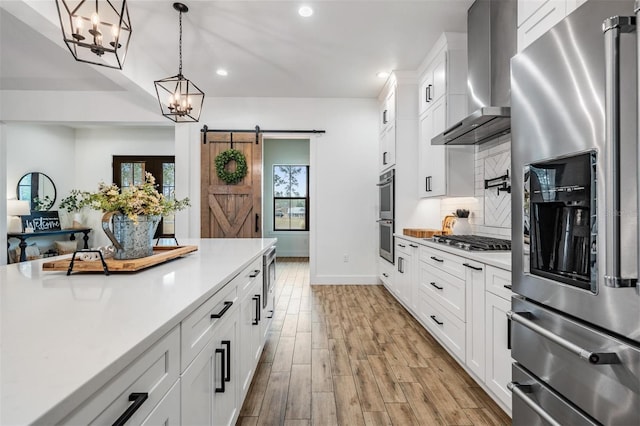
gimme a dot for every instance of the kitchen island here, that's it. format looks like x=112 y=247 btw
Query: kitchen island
x=64 y=338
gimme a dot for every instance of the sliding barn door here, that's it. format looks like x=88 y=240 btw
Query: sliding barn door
x=231 y=211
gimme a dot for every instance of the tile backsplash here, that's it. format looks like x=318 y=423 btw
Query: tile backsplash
x=490 y=211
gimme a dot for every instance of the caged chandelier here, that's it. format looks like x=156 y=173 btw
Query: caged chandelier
x=96 y=31
x=180 y=100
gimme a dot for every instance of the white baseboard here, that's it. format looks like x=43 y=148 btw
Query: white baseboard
x=344 y=280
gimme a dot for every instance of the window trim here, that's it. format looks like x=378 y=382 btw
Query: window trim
x=306 y=199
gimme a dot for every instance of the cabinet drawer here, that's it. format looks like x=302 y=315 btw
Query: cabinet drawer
x=443 y=288
x=153 y=373
x=167 y=412
x=446 y=262
x=499 y=282
x=386 y=272
x=199 y=326
x=445 y=325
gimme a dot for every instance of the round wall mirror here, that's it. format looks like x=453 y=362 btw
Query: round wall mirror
x=38 y=189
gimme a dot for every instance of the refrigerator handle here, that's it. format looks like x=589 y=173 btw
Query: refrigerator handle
x=612 y=28
x=636 y=10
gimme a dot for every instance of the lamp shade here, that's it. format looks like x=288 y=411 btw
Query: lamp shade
x=18 y=208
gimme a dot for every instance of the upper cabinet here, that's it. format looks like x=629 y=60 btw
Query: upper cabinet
x=536 y=17
x=398 y=111
x=442 y=101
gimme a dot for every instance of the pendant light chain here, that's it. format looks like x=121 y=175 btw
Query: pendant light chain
x=180 y=43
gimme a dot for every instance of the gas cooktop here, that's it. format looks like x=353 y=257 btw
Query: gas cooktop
x=473 y=242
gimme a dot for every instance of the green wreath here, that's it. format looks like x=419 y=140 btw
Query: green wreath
x=221 y=166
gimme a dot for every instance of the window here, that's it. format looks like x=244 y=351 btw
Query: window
x=290 y=198
x=130 y=170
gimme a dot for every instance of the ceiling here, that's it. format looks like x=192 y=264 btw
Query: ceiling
x=266 y=47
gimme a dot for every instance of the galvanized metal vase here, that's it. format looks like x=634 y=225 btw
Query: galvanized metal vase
x=132 y=240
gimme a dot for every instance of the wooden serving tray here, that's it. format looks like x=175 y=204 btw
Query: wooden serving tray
x=161 y=254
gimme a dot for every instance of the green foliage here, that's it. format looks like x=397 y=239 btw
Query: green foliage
x=74 y=201
x=42 y=204
x=461 y=213
x=135 y=200
x=223 y=159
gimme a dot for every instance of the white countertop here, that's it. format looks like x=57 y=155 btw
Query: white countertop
x=498 y=258
x=63 y=337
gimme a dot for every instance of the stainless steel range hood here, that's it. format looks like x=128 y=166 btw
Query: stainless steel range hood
x=491 y=34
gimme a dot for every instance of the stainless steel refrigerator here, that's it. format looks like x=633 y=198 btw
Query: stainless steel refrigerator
x=575 y=321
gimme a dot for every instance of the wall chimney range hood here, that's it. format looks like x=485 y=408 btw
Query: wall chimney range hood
x=491 y=27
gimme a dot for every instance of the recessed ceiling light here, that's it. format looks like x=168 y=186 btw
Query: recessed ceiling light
x=222 y=72
x=383 y=74
x=305 y=11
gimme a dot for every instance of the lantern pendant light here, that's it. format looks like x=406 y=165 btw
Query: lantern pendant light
x=96 y=31
x=180 y=100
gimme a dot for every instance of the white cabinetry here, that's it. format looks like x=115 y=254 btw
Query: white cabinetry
x=210 y=383
x=138 y=390
x=386 y=274
x=498 y=302
x=475 y=284
x=443 y=171
x=251 y=332
x=387 y=158
x=536 y=17
x=406 y=270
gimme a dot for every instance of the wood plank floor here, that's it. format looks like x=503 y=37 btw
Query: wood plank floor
x=352 y=355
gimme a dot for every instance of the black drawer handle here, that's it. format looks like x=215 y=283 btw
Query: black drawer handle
x=436 y=259
x=256 y=321
x=436 y=286
x=507 y=286
x=227 y=343
x=384 y=274
x=255 y=273
x=224 y=310
x=475 y=268
x=401 y=245
x=433 y=317
x=222 y=370
x=413 y=245
x=138 y=399
x=270 y=316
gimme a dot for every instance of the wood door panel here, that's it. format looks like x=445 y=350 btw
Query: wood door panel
x=231 y=211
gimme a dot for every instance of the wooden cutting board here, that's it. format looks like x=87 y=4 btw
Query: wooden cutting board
x=161 y=254
x=420 y=232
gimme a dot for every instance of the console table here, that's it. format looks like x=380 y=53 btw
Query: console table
x=23 y=236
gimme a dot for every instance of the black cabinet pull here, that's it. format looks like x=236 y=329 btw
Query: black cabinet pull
x=384 y=158
x=426 y=94
x=436 y=286
x=255 y=273
x=436 y=259
x=257 y=222
x=270 y=316
x=222 y=370
x=508 y=333
x=227 y=343
x=475 y=268
x=384 y=274
x=401 y=265
x=224 y=310
x=507 y=286
x=138 y=399
x=384 y=117
x=256 y=298
x=401 y=245
x=433 y=317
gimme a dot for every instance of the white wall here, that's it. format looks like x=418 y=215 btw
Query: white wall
x=343 y=174
x=95 y=148
x=288 y=152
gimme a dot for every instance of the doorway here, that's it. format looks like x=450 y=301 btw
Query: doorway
x=287 y=200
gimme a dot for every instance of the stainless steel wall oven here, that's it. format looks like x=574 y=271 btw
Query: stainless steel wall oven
x=386 y=216
x=575 y=319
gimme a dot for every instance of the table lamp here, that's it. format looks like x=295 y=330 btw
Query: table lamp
x=15 y=209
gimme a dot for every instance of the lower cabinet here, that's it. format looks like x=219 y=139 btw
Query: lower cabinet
x=199 y=372
x=405 y=274
x=499 y=360
x=209 y=386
